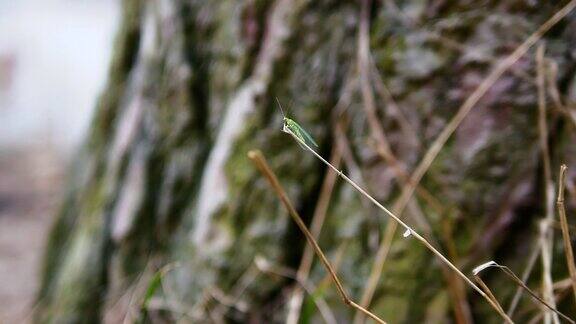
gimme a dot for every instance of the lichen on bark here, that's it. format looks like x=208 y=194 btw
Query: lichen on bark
x=163 y=178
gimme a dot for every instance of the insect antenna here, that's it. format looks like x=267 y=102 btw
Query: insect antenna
x=280 y=105
x=284 y=124
x=290 y=106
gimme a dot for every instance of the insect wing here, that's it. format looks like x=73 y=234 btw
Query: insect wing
x=303 y=135
x=309 y=138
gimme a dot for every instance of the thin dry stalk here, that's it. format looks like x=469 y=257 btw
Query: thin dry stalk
x=366 y=87
x=525 y=275
x=241 y=285
x=135 y=292
x=448 y=237
x=455 y=288
x=563 y=284
x=386 y=95
x=547 y=233
x=341 y=141
x=486 y=84
x=336 y=263
x=170 y=301
x=490 y=294
x=404 y=178
x=355 y=173
x=228 y=301
x=565 y=231
x=409 y=231
x=384 y=150
x=438 y=144
x=266 y=267
x=557 y=225
x=450 y=43
x=295 y=302
x=377 y=266
x=552 y=86
x=543 y=134
x=559 y=296
x=260 y=162
x=546 y=257
x=244 y=283
x=519 y=282
x=571 y=113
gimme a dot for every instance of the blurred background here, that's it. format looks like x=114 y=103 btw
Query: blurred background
x=126 y=194
x=53 y=60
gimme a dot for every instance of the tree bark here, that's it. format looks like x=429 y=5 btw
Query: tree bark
x=163 y=185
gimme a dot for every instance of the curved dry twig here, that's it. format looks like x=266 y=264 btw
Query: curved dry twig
x=262 y=165
x=518 y=281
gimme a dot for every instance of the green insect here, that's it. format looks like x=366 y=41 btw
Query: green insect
x=293 y=128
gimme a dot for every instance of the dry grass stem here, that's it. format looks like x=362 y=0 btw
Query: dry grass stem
x=525 y=275
x=267 y=267
x=559 y=296
x=552 y=87
x=491 y=295
x=543 y=135
x=369 y=102
x=229 y=301
x=467 y=50
x=336 y=263
x=519 y=282
x=409 y=230
x=546 y=257
x=455 y=288
x=403 y=178
x=240 y=287
x=547 y=234
x=383 y=147
x=565 y=231
x=443 y=137
x=486 y=84
x=297 y=297
x=383 y=92
x=377 y=267
x=260 y=162
x=348 y=159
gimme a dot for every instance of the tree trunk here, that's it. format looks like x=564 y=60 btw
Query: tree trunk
x=166 y=219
